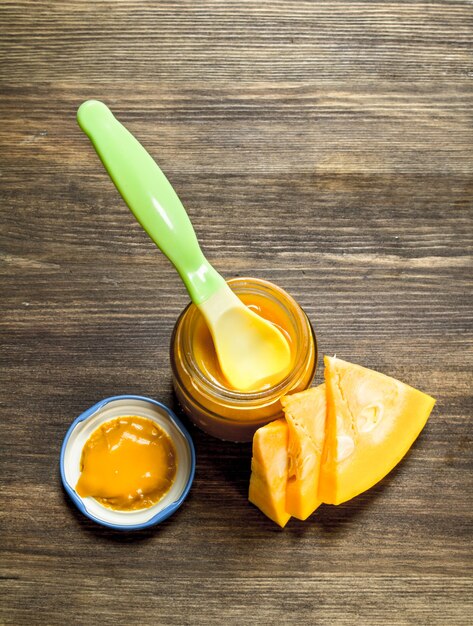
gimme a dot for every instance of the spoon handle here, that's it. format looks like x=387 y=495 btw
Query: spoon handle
x=151 y=198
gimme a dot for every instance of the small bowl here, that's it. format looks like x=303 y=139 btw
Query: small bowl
x=109 y=409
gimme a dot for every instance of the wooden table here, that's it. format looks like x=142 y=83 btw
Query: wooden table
x=325 y=146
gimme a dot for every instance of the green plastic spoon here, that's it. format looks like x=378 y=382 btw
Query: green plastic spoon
x=252 y=352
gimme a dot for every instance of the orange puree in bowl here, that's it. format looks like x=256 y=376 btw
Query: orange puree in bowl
x=128 y=463
x=203 y=346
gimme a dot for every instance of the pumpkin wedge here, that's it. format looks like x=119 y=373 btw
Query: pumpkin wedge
x=269 y=471
x=372 y=421
x=305 y=416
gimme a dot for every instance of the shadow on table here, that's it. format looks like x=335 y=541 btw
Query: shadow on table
x=217 y=460
x=334 y=521
x=118 y=536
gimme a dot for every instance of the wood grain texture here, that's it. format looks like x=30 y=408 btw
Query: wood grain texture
x=326 y=146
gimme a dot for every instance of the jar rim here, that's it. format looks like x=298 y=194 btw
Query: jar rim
x=298 y=319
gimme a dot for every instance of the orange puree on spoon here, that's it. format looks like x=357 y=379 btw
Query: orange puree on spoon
x=128 y=463
x=204 y=350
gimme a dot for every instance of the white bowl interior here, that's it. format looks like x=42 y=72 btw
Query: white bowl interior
x=112 y=410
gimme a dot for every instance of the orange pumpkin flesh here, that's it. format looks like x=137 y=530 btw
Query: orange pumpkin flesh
x=305 y=415
x=372 y=421
x=338 y=440
x=269 y=471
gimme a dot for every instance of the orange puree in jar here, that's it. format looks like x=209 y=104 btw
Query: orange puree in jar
x=203 y=346
x=128 y=463
x=200 y=386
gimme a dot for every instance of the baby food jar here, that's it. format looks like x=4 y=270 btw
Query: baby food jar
x=199 y=385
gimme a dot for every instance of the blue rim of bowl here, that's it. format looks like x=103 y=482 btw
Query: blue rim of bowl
x=167 y=511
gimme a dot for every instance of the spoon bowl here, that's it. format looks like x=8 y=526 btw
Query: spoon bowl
x=253 y=353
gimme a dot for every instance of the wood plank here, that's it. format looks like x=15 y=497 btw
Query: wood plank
x=235 y=40
x=320 y=127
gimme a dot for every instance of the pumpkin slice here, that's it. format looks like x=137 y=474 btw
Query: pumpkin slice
x=269 y=471
x=372 y=421
x=305 y=415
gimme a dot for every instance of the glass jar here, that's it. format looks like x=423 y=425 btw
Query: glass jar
x=226 y=413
